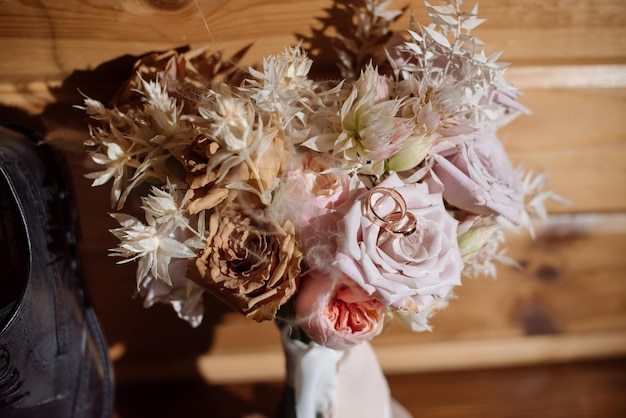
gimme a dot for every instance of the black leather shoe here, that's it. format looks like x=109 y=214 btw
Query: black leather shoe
x=53 y=357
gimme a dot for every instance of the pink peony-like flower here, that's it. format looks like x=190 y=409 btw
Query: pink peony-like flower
x=477 y=176
x=337 y=313
x=406 y=272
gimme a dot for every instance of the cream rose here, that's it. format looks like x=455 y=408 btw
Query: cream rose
x=337 y=313
x=406 y=272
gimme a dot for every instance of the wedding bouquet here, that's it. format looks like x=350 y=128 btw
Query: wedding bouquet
x=328 y=205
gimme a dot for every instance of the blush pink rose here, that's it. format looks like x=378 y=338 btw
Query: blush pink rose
x=337 y=313
x=312 y=188
x=477 y=176
x=410 y=272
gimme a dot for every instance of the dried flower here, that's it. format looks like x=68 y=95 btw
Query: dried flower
x=184 y=295
x=230 y=121
x=152 y=245
x=250 y=263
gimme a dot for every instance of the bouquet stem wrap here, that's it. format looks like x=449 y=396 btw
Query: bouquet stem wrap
x=335 y=383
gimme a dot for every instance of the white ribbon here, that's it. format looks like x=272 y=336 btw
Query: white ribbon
x=336 y=383
x=312 y=372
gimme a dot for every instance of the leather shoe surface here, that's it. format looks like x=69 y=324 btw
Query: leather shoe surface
x=53 y=357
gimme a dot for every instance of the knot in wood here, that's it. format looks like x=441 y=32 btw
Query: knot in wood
x=168 y=4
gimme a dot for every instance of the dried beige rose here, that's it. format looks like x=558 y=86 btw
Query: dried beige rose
x=206 y=191
x=216 y=175
x=249 y=262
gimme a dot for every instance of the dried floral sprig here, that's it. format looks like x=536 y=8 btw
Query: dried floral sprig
x=362 y=41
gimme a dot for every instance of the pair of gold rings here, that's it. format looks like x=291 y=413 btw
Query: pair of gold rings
x=398 y=221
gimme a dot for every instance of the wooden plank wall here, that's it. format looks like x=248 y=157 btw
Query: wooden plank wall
x=569 y=57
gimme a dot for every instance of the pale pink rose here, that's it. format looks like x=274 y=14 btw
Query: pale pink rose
x=477 y=176
x=311 y=190
x=406 y=272
x=337 y=313
x=312 y=186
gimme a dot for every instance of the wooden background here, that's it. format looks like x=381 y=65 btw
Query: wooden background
x=566 y=306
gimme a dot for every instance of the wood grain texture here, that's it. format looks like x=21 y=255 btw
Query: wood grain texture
x=578 y=138
x=573 y=390
x=48 y=39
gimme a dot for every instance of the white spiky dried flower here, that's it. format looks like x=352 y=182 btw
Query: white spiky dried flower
x=283 y=89
x=228 y=119
x=155 y=243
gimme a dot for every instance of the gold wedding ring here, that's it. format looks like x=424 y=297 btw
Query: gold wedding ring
x=398 y=221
